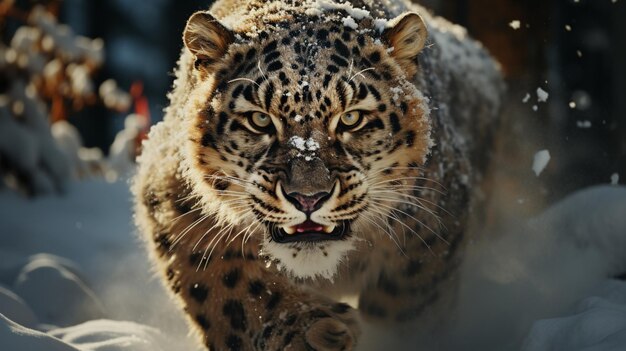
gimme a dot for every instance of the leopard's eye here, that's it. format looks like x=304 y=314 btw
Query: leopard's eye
x=350 y=119
x=260 y=120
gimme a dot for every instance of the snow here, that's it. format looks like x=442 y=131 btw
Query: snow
x=94 y=268
x=28 y=144
x=583 y=124
x=614 y=179
x=325 y=5
x=540 y=161
x=304 y=144
x=380 y=24
x=515 y=24
x=541 y=268
x=122 y=152
x=396 y=91
x=349 y=22
x=526 y=98
x=596 y=323
x=542 y=95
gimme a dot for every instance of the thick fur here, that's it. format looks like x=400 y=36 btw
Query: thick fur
x=211 y=186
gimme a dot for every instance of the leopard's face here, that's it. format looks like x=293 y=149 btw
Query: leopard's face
x=302 y=138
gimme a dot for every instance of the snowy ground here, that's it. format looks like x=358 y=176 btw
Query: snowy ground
x=73 y=276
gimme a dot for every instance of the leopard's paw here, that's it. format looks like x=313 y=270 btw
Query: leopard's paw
x=328 y=327
x=329 y=334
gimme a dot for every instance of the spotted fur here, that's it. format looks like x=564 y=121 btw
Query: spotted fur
x=213 y=186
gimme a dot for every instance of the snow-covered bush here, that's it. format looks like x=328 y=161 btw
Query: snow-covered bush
x=46 y=72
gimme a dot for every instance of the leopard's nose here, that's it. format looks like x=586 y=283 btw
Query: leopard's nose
x=307 y=203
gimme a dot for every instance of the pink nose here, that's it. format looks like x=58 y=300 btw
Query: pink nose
x=308 y=203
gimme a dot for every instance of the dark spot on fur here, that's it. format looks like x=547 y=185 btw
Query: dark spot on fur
x=404 y=107
x=374 y=92
x=234 y=310
x=288 y=337
x=274 y=66
x=322 y=34
x=375 y=56
x=268 y=331
x=338 y=60
x=162 y=241
x=198 y=292
x=194 y=258
x=231 y=278
x=270 y=47
x=327 y=79
x=274 y=300
x=291 y=319
x=230 y=254
x=395 y=122
x=271 y=56
x=203 y=322
x=247 y=93
x=360 y=39
x=170 y=274
x=233 y=342
x=256 y=287
x=223 y=118
x=412 y=268
x=237 y=91
x=237 y=57
x=341 y=48
x=410 y=138
x=269 y=94
x=387 y=285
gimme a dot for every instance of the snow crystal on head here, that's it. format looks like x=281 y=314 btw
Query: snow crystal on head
x=349 y=22
x=306 y=147
x=380 y=24
x=356 y=13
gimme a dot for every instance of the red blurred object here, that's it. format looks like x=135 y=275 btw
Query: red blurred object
x=142 y=109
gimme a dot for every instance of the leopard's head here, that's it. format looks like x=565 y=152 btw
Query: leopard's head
x=303 y=132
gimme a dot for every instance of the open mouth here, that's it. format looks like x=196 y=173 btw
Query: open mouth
x=309 y=231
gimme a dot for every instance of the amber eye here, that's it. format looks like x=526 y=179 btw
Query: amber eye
x=260 y=120
x=351 y=119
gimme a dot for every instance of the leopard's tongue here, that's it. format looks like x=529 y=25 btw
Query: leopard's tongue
x=309 y=226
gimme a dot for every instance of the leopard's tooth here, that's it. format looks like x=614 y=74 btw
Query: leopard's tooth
x=289 y=230
x=329 y=228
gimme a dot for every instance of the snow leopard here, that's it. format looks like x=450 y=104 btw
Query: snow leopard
x=315 y=169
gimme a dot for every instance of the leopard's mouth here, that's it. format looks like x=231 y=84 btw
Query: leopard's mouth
x=309 y=231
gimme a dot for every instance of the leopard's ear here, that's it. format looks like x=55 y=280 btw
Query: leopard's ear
x=406 y=34
x=206 y=38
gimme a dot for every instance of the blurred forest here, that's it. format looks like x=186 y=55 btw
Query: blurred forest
x=572 y=49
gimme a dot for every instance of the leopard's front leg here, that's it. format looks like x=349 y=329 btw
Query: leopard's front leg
x=235 y=301
x=238 y=304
